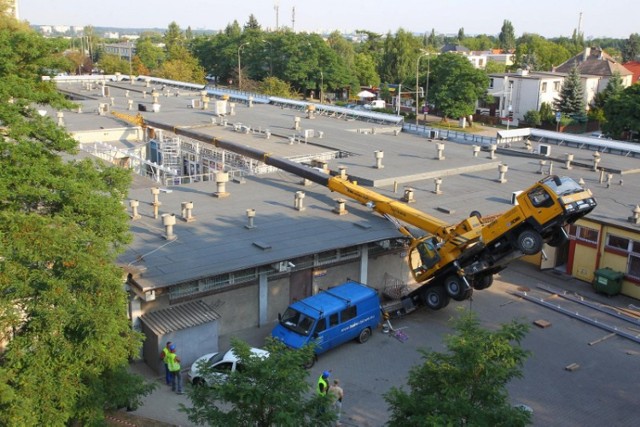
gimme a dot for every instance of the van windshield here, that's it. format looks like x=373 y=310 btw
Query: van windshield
x=297 y=322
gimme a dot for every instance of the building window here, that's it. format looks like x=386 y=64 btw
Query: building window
x=490 y=83
x=544 y=87
x=584 y=234
x=631 y=248
x=557 y=86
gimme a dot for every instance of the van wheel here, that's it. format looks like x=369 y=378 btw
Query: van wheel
x=309 y=364
x=436 y=298
x=455 y=288
x=530 y=242
x=364 y=336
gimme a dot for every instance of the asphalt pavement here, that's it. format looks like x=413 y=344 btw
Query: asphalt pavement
x=602 y=390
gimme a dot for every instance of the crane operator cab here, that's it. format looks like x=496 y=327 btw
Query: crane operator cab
x=423 y=255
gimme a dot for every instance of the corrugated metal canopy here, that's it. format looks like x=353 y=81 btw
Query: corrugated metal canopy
x=179 y=317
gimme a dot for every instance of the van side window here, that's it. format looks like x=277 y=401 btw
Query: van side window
x=348 y=313
x=321 y=326
x=333 y=320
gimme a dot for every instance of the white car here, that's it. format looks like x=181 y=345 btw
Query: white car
x=222 y=363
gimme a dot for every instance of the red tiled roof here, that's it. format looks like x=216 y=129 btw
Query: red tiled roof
x=634 y=67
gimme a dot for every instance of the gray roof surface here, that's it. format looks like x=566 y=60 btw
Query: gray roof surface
x=178 y=317
x=218 y=241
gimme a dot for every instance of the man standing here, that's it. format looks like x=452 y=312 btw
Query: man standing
x=174 y=368
x=337 y=394
x=163 y=356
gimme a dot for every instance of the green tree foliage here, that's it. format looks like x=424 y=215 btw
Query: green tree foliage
x=613 y=89
x=507 y=37
x=271 y=391
x=275 y=87
x=456 y=85
x=467 y=384
x=149 y=53
x=547 y=115
x=631 y=48
x=480 y=42
x=180 y=63
x=365 y=68
x=571 y=101
x=532 y=117
x=494 y=67
x=623 y=114
x=111 y=64
x=63 y=309
x=432 y=40
x=252 y=23
x=540 y=52
x=461 y=35
x=399 y=58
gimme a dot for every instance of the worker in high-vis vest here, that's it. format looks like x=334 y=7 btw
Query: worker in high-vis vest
x=163 y=356
x=173 y=362
x=323 y=384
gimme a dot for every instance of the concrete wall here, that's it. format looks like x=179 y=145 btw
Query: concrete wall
x=238 y=308
x=106 y=135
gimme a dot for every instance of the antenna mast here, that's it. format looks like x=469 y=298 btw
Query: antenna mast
x=293 y=18
x=276 y=7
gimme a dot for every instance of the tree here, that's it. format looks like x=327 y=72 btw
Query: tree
x=273 y=86
x=456 y=85
x=507 y=37
x=366 y=70
x=150 y=54
x=547 y=114
x=571 y=100
x=631 y=48
x=539 y=52
x=432 y=41
x=63 y=309
x=467 y=384
x=270 y=391
x=613 y=89
x=111 y=64
x=532 y=117
x=460 y=35
x=622 y=114
x=252 y=24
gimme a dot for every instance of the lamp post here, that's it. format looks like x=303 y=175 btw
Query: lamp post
x=321 y=85
x=240 y=66
x=509 y=107
x=130 y=56
x=417 y=74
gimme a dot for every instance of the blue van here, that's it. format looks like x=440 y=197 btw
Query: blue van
x=330 y=318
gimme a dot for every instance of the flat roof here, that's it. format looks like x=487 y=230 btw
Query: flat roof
x=218 y=241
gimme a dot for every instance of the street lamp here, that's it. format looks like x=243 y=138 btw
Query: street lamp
x=417 y=73
x=321 y=85
x=240 y=66
x=509 y=107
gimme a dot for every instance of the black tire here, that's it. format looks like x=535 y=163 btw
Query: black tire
x=529 y=242
x=559 y=238
x=436 y=298
x=310 y=363
x=455 y=287
x=483 y=282
x=477 y=214
x=364 y=336
x=198 y=382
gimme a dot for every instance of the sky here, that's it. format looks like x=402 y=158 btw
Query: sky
x=549 y=18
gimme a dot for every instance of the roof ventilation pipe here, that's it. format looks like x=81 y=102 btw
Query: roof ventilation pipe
x=379 y=154
x=134 y=209
x=155 y=191
x=635 y=215
x=440 y=150
x=251 y=214
x=340 y=207
x=221 y=183
x=502 y=172
x=187 y=211
x=297 y=201
x=169 y=220
x=568 y=160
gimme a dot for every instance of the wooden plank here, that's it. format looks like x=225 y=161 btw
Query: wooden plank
x=542 y=323
x=606 y=337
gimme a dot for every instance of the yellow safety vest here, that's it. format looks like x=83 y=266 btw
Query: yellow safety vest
x=325 y=386
x=172 y=362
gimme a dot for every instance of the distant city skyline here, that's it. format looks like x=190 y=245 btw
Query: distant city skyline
x=615 y=18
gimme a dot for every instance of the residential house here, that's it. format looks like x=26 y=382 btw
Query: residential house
x=596 y=62
x=634 y=67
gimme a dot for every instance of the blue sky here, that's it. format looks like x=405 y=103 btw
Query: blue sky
x=549 y=18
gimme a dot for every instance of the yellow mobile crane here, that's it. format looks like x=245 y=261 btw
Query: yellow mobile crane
x=449 y=261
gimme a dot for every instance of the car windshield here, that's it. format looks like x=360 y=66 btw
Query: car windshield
x=298 y=322
x=562 y=185
x=215 y=358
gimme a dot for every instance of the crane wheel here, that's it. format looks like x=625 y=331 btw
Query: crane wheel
x=529 y=242
x=483 y=282
x=456 y=288
x=436 y=298
x=558 y=239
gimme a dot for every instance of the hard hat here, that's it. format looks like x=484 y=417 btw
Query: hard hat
x=172 y=347
x=326 y=374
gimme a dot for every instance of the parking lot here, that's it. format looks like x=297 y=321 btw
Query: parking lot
x=601 y=391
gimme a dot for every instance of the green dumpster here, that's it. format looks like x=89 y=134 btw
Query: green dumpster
x=607 y=281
